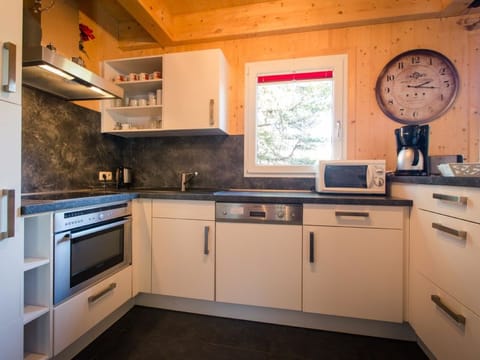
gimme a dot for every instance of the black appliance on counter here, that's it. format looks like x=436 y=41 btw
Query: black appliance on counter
x=412 y=150
x=123 y=177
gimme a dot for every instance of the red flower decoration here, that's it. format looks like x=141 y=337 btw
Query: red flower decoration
x=85 y=33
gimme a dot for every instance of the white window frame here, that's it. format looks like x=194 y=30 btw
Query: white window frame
x=337 y=63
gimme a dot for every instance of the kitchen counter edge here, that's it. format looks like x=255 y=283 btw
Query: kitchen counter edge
x=30 y=207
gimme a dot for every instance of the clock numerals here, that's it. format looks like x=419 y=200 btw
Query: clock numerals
x=415 y=60
x=442 y=71
x=400 y=65
x=447 y=83
x=387 y=90
x=430 y=61
x=390 y=77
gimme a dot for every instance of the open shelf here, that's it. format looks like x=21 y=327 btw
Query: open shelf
x=32 y=312
x=34 y=356
x=31 y=263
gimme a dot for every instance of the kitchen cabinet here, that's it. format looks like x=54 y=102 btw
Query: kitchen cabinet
x=11 y=242
x=118 y=117
x=190 y=95
x=38 y=286
x=183 y=248
x=259 y=264
x=444 y=263
x=196 y=91
x=353 y=260
x=80 y=313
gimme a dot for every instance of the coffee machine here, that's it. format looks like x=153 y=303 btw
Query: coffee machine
x=412 y=150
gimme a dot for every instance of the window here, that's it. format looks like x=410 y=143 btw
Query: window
x=294 y=113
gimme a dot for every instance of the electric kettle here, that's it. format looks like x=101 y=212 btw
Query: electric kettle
x=123 y=176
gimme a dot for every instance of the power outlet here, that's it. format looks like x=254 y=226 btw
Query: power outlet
x=105 y=176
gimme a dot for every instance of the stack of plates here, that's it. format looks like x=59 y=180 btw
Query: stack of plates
x=460 y=169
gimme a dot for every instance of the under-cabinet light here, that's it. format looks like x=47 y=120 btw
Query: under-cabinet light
x=56 y=71
x=101 y=92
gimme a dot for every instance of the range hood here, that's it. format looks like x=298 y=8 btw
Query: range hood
x=48 y=71
x=53 y=72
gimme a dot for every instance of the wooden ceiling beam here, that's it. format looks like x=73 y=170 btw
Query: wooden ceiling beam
x=298 y=15
x=270 y=17
x=153 y=16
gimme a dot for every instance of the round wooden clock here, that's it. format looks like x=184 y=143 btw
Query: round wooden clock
x=417 y=86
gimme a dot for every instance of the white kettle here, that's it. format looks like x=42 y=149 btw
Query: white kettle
x=410 y=158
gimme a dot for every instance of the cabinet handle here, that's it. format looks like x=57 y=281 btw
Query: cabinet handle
x=206 y=230
x=311 y=256
x=352 y=213
x=462 y=200
x=210 y=112
x=9 y=214
x=457 y=317
x=94 y=298
x=458 y=233
x=11 y=85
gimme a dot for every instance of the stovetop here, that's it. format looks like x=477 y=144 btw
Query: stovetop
x=66 y=195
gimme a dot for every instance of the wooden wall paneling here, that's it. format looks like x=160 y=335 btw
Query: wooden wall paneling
x=370 y=132
x=474 y=95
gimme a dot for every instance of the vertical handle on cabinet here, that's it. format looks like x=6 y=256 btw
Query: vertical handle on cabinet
x=11 y=63
x=7 y=214
x=206 y=230
x=311 y=256
x=459 y=318
x=211 y=106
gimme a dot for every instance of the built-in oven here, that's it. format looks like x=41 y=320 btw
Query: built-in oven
x=90 y=244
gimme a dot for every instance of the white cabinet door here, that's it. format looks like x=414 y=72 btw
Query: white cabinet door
x=11 y=248
x=11 y=46
x=354 y=272
x=194 y=92
x=183 y=258
x=259 y=264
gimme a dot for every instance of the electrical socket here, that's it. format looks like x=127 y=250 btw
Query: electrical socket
x=105 y=176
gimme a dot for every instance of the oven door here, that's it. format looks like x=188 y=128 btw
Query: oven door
x=86 y=255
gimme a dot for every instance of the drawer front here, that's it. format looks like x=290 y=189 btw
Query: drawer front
x=444 y=336
x=460 y=202
x=389 y=217
x=79 y=314
x=184 y=209
x=447 y=250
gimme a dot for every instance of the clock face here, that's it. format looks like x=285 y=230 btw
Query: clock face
x=417 y=86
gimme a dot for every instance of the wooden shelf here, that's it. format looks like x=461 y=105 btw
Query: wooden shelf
x=32 y=312
x=33 y=263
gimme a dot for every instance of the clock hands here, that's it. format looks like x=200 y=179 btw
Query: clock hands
x=422 y=85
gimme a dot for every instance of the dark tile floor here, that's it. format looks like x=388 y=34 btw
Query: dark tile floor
x=145 y=333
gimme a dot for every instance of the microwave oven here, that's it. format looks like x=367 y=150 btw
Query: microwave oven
x=351 y=177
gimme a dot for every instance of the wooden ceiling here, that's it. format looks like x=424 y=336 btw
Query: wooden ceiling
x=153 y=23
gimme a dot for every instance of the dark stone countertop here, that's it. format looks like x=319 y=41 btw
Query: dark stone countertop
x=437 y=180
x=36 y=206
x=30 y=206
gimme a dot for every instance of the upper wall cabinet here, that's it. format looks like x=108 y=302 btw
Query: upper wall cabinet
x=173 y=94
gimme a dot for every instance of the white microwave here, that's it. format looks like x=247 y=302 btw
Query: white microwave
x=351 y=176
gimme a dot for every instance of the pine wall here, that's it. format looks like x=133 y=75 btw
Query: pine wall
x=369 y=48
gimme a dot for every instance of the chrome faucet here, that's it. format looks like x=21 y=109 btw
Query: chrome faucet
x=186 y=178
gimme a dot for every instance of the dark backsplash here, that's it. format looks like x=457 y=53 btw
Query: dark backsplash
x=63 y=149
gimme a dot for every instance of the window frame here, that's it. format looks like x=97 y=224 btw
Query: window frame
x=337 y=63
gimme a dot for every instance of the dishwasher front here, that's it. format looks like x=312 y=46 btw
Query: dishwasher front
x=259 y=254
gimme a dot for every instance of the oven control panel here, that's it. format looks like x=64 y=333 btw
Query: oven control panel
x=71 y=219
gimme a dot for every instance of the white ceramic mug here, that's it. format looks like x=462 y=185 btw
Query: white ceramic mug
x=133 y=102
x=142 y=102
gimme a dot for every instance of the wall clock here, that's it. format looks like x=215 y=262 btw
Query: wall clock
x=417 y=86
